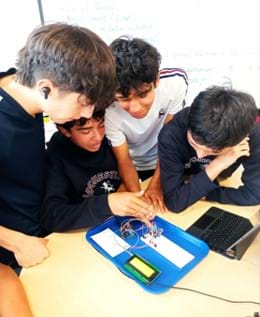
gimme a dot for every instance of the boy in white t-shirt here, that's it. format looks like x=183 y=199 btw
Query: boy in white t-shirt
x=147 y=98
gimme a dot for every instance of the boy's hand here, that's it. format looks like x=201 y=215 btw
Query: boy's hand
x=130 y=204
x=154 y=196
x=30 y=250
x=229 y=157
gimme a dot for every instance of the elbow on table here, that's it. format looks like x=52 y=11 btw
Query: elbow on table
x=173 y=205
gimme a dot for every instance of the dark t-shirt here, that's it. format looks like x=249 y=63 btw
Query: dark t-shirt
x=22 y=168
x=178 y=159
x=78 y=185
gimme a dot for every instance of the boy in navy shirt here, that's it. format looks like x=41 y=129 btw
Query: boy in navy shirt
x=209 y=140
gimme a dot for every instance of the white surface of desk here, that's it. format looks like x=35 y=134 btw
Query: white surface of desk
x=77 y=281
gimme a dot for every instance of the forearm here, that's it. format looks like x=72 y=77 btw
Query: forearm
x=227 y=158
x=154 y=194
x=179 y=196
x=126 y=168
x=9 y=239
x=129 y=176
x=121 y=188
x=214 y=169
x=155 y=181
x=60 y=215
x=242 y=196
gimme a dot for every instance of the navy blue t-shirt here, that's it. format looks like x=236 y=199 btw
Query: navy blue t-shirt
x=178 y=159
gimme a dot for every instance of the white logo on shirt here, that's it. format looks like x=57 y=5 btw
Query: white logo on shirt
x=161 y=112
x=203 y=162
x=108 y=187
x=103 y=178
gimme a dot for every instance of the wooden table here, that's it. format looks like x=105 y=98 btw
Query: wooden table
x=77 y=281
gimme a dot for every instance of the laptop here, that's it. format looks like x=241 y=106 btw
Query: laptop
x=224 y=232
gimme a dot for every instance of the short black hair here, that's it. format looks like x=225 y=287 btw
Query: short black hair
x=97 y=115
x=220 y=117
x=137 y=62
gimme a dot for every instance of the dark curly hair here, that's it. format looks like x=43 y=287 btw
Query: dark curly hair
x=220 y=117
x=74 y=58
x=137 y=62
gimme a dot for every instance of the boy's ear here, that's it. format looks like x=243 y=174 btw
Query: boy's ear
x=64 y=131
x=45 y=86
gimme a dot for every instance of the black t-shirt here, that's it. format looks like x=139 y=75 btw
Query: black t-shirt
x=22 y=168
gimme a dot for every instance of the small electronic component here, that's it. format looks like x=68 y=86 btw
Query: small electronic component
x=141 y=269
x=128 y=230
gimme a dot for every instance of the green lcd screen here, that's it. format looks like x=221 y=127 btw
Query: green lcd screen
x=141 y=269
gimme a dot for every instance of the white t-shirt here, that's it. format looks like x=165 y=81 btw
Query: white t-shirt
x=141 y=134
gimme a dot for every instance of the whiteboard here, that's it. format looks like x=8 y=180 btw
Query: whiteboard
x=18 y=18
x=214 y=41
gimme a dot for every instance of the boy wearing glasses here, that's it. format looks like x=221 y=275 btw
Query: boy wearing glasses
x=208 y=140
x=83 y=178
x=146 y=99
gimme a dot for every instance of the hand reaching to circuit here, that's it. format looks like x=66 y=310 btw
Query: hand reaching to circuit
x=130 y=204
x=154 y=196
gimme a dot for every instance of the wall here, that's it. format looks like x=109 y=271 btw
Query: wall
x=17 y=20
x=214 y=41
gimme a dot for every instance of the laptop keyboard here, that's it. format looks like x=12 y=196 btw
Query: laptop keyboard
x=225 y=231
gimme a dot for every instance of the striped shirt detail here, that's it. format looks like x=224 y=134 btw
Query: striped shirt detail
x=171 y=72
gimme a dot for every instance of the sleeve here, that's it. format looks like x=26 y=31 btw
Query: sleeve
x=177 y=87
x=112 y=127
x=249 y=193
x=58 y=214
x=179 y=195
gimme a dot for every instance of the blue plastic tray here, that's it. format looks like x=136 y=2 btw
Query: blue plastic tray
x=170 y=273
